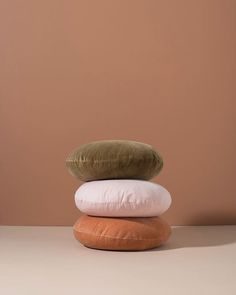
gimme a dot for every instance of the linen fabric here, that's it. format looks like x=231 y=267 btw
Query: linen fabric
x=122 y=198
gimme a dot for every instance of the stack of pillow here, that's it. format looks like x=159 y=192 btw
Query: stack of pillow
x=121 y=206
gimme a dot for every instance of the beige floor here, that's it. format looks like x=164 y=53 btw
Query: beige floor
x=48 y=260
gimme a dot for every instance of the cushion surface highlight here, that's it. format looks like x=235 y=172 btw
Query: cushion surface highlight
x=122 y=198
x=121 y=233
x=114 y=159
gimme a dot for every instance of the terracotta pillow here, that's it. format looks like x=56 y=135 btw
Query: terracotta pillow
x=121 y=233
x=112 y=159
x=122 y=198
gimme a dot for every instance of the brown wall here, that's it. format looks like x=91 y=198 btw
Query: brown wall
x=161 y=72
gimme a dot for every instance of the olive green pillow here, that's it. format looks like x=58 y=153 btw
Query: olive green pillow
x=114 y=159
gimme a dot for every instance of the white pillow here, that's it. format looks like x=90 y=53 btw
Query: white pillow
x=122 y=198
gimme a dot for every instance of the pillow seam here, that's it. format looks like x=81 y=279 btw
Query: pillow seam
x=107 y=237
